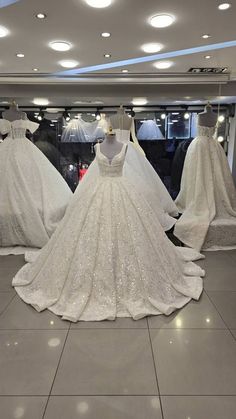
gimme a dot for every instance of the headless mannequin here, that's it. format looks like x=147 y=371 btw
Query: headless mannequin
x=208 y=118
x=120 y=120
x=13 y=113
x=110 y=147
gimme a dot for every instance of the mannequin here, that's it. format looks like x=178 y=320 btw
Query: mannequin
x=110 y=147
x=208 y=118
x=120 y=120
x=13 y=113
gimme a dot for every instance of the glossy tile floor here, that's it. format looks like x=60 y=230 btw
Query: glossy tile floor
x=180 y=367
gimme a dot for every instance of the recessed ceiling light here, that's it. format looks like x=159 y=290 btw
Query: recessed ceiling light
x=20 y=55
x=220 y=139
x=105 y=34
x=99 y=4
x=207 y=57
x=35 y=69
x=60 y=45
x=3 y=31
x=107 y=55
x=41 y=16
x=163 y=65
x=206 y=36
x=68 y=63
x=224 y=6
x=161 y=21
x=124 y=70
x=41 y=101
x=152 y=47
x=139 y=101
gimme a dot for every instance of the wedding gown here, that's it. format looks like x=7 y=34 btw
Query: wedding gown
x=33 y=195
x=109 y=257
x=78 y=130
x=141 y=174
x=149 y=130
x=207 y=199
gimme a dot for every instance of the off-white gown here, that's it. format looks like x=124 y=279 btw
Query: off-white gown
x=207 y=199
x=33 y=194
x=140 y=173
x=109 y=257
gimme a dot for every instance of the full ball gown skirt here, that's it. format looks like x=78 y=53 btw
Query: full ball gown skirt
x=33 y=194
x=207 y=197
x=109 y=257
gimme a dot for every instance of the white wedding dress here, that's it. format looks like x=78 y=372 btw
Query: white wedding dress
x=149 y=130
x=78 y=130
x=33 y=194
x=109 y=257
x=207 y=199
x=140 y=173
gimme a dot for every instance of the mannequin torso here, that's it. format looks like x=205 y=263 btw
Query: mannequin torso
x=120 y=120
x=13 y=113
x=208 y=118
x=110 y=146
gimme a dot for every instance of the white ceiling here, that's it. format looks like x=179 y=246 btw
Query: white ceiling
x=74 y=21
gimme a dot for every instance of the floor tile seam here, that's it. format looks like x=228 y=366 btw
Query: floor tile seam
x=3 y=311
x=212 y=301
x=53 y=381
x=155 y=369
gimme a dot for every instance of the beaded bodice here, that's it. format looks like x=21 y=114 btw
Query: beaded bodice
x=17 y=128
x=206 y=131
x=113 y=168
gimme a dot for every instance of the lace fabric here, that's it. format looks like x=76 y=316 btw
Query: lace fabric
x=207 y=196
x=109 y=257
x=33 y=195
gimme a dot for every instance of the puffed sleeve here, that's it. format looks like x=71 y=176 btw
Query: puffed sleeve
x=31 y=126
x=5 y=126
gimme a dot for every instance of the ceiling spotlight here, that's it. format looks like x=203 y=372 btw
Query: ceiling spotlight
x=35 y=69
x=224 y=6
x=41 y=16
x=40 y=101
x=163 y=115
x=107 y=55
x=124 y=70
x=206 y=36
x=66 y=115
x=186 y=115
x=99 y=4
x=151 y=48
x=139 y=101
x=220 y=139
x=68 y=63
x=41 y=115
x=161 y=21
x=207 y=57
x=163 y=65
x=98 y=115
x=3 y=31
x=221 y=118
x=60 y=45
x=20 y=55
x=105 y=34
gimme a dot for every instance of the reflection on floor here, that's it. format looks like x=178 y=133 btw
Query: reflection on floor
x=179 y=367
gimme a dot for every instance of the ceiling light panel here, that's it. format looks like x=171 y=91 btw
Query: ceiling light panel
x=161 y=20
x=60 y=45
x=3 y=32
x=99 y=4
x=152 y=47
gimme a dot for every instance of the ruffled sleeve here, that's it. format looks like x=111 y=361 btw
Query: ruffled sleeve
x=5 y=126
x=31 y=126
